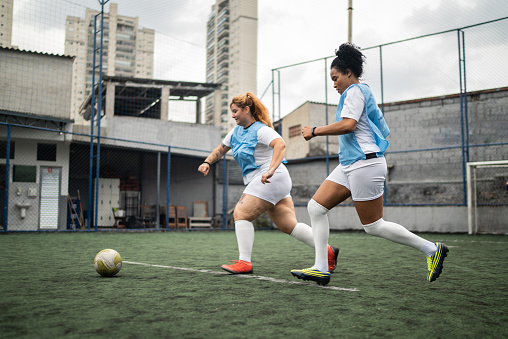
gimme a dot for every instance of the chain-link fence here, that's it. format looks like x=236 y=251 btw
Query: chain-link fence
x=53 y=180
x=445 y=107
x=444 y=98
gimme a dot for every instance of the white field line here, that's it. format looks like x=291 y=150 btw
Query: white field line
x=258 y=277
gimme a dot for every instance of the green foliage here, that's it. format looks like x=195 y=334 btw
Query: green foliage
x=50 y=288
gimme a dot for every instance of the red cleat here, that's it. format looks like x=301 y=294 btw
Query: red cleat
x=239 y=267
x=333 y=253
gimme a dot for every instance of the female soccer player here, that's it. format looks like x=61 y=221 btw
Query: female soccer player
x=362 y=130
x=259 y=150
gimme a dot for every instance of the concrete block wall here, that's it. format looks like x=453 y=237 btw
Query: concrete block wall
x=446 y=219
x=425 y=163
x=35 y=83
x=436 y=122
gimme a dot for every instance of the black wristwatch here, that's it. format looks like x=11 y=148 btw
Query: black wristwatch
x=313 y=128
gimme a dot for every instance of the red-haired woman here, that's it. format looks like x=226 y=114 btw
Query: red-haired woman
x=259 y=150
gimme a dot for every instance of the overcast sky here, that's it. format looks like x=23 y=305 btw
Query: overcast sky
x=293 y=31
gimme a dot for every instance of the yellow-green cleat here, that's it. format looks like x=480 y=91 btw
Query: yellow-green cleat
x=435 y=263
x=322 y=278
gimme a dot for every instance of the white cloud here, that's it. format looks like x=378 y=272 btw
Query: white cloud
x=294 y=31
x=420 y=68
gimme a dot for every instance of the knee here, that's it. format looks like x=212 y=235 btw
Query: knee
x=285 y=228
x=374 y=228
x=238 y=215
x=315 y=209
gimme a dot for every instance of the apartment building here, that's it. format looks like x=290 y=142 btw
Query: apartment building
x=6 y=10
x=128 y=51
x=231 y=56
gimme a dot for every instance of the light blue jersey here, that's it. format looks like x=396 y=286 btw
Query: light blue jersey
x=349 y=149
x=243 y=145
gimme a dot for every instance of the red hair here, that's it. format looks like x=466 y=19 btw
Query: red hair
x=257 y=109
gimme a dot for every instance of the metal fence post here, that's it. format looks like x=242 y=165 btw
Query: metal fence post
x=385 y=200
x=6 y=186
x=463 y=104
x=99 y=109
x=273 y=95
x=157 y=198
x=326 y=120
x=224 y=192
x=168 y=177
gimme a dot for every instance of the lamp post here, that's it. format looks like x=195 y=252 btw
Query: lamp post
x=350 y=21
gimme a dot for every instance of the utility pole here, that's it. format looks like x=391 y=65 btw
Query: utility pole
x=350 y=22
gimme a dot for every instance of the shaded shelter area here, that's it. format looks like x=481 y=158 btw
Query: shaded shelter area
x=146 y=98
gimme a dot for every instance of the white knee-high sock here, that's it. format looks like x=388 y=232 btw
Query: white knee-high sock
x=321 y=230
x=245 y=238
x=399 y=234
x=303 y=232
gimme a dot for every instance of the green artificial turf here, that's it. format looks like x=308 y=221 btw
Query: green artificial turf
x=49 y=288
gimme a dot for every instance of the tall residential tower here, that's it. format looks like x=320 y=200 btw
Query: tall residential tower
x=128 y=50
x=232 y=32
x=6 y=11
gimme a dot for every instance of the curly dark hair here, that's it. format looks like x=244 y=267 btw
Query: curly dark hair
x=349 y=57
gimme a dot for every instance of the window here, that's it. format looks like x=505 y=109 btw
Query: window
x=3 y=150
x=46 y=152
x=295 y=131
x=21 y=173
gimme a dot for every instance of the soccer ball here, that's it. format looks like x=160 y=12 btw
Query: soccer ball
x=108 y=262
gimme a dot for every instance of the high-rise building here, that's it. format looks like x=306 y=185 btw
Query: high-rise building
x=6 y=10
x=232 y=32
x=127 y=51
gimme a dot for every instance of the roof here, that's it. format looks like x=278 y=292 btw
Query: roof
x=449 y=96
x=177 y=88
x=148 y=90
x=28 y=119
x=35 y=52
x=411 y=101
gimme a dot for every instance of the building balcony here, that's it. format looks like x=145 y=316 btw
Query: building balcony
x=223 y=35
x=223 y=80
x=223 y=42
x=222 y=29
x=222 y=22
x=125 y=50
x=223 y=57
x=129 y=43
x=222 y=66
x=224 y=4
x=223 y=51
x=224 y=12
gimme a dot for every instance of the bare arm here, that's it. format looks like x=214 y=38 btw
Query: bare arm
x=215 y=156
x=279 y=150
x=345 y=126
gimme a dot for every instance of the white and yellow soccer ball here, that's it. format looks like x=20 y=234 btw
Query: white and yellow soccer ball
x=108 y=262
